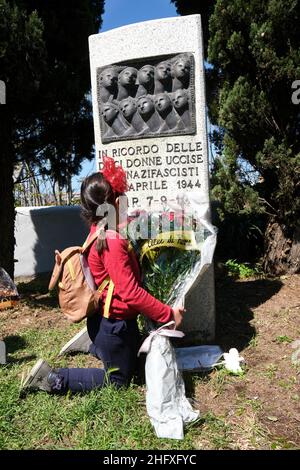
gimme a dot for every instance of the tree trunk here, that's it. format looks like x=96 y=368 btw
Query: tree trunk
x=69 y=190
x=282 y=249
x=37 y=198
x=7 y=208
x=53 y=186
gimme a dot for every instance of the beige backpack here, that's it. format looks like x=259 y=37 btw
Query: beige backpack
x=78 y=294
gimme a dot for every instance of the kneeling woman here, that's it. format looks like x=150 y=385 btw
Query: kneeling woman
x=114 y=334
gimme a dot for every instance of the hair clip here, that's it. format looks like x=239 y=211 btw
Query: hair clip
x=115 y=175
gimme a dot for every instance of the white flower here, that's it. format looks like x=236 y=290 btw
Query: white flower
x=232 y=361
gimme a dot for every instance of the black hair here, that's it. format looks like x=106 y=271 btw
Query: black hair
x=95 y=191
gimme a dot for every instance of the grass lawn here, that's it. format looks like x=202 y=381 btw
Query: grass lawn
x=258 y=410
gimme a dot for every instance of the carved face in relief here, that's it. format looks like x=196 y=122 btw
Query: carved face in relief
x=109 y=112
x=128 y=107
x=162 y=102
x=163 y=70
x=181 y=68
x=146 y=96
x=180 y=99
x=128 y=76
x=146 y=75
x=145 y=105
x=109 y=77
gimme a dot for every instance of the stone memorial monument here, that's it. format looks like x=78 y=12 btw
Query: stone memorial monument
x=149 y=111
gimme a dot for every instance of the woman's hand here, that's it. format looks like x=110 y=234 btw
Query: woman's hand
x=178 y=315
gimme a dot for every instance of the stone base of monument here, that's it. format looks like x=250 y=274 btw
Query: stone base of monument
x=2 y=353
x=199 y=320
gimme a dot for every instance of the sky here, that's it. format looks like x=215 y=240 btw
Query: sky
x=120 y=13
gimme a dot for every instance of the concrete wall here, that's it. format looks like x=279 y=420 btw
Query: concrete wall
x=41 y=230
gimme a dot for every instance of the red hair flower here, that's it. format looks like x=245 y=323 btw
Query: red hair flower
x=115 y=175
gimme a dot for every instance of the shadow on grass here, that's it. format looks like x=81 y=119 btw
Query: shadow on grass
x=34 y=292
x=235 y=302
x=14 y=360
x=14 y=343
x=48 y=302
x=34 y=285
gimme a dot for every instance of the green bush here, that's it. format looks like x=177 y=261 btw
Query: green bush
x=242 y=270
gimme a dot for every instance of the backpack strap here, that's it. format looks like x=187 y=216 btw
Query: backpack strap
x=107 y=282
x=111 y=287
x=89 y=241
x=103 y=285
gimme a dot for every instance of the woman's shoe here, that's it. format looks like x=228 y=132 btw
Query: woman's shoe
x=43 y=377
x=79 y=343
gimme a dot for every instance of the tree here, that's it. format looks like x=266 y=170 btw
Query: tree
x=254 y=47
x=65 y=132
x=21 y=61
x=193 y=7
x=47 y=117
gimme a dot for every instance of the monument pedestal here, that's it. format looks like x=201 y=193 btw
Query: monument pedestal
x=199 y=324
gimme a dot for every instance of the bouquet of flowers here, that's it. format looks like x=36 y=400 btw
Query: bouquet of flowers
x=173 y=245
x=170 y=246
